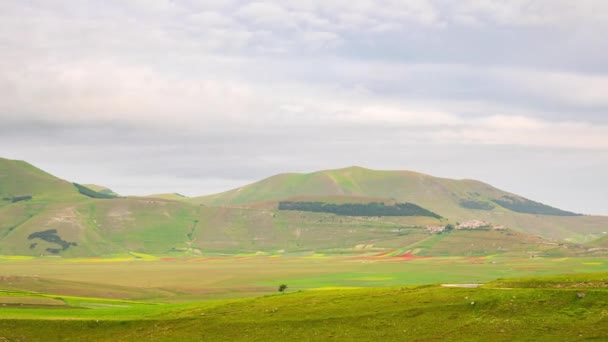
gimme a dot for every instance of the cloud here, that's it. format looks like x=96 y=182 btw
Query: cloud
x=447 y=102
x=267 y=14
x=562 y=13
x=266 y=86
x=508 y=130
x=563 y=87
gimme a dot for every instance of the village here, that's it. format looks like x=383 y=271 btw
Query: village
x=467 y=225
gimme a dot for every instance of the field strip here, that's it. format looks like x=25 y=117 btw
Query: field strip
x=468 y=286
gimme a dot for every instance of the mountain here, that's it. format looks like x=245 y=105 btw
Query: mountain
x=451 y=197
x=19 y=179
x=352 y=210
x=101 y=189
x=170 y=196
x=456 y=200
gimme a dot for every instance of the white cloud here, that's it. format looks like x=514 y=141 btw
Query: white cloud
x=508 y=130
x=130 y=93
x=217 y=77
x=319 y=39
x=211 y=19
x=267 y=14
x=565 y=87
x=558 y=13
x=106 y=91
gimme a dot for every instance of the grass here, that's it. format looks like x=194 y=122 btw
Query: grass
x=25 y=179
x=377 y=314
x=183 y=228
x=440 y=195
x=365 y=298
x=170 y=279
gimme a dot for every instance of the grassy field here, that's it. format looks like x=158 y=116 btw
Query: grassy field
x=367 y=297
x=165 y=279
x=548 y=309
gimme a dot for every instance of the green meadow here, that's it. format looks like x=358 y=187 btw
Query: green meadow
x=166 y=279
x=362 y=297
x=77 y=264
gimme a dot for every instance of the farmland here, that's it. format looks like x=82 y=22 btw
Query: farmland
x=356 y=251
x=167 y=279
x=341 y=298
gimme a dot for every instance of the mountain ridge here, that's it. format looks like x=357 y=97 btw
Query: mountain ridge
x=58 y=219
x=359 y=181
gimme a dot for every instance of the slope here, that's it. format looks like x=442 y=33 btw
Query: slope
x=169 y=196
x=101 y=189
x=19 y=179
x=456 y=200
x=541 y=309
x=59 y=220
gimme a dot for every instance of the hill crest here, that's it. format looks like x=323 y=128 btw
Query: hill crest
x=60 y=220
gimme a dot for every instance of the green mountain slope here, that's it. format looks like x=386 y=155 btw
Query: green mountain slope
x=20 y=179
x=170 y=196
x=99 y=227
x=456 y=200
x=101 y=189
x=65 y=219
x=445 y=195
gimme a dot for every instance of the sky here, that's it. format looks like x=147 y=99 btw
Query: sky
x=198 y=97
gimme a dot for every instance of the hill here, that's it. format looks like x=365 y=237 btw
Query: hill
x=170 y=196
x=446 y=195
x=456 y=200
x=101 y=189
x=109 y=227
x=350 y=210
x=19 y=179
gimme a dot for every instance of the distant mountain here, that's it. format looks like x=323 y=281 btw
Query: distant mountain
x=170 y=196
x=448 y=196
x=20 y=179
x=352 y=210
x=101 y=189
x=456 y=200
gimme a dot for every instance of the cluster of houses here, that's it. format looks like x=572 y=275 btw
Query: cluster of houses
x=467 y=225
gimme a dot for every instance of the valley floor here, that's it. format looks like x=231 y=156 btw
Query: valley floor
x=328 y=298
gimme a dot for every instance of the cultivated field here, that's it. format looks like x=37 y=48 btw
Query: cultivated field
x=166 y=279
x=366 y=297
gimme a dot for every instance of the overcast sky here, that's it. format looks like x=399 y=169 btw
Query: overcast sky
x=196 y=97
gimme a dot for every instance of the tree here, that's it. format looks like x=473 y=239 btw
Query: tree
x=282 y=288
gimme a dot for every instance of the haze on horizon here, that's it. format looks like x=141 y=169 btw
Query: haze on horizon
x=199 y=97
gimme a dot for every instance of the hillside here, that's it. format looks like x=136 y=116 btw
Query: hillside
x=456 y=200
x=351 y=210
x=118 y=226
x=448 y=196
x=601 y=242
x=101 y=189
x=169 y=196
x=557 y=308
x=20 y=179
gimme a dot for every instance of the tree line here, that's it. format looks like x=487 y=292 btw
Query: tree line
x=359 y=209
x=92 y=193
x=522 y=205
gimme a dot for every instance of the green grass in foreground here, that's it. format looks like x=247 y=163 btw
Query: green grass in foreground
x=160 y=299
x=543 y=313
